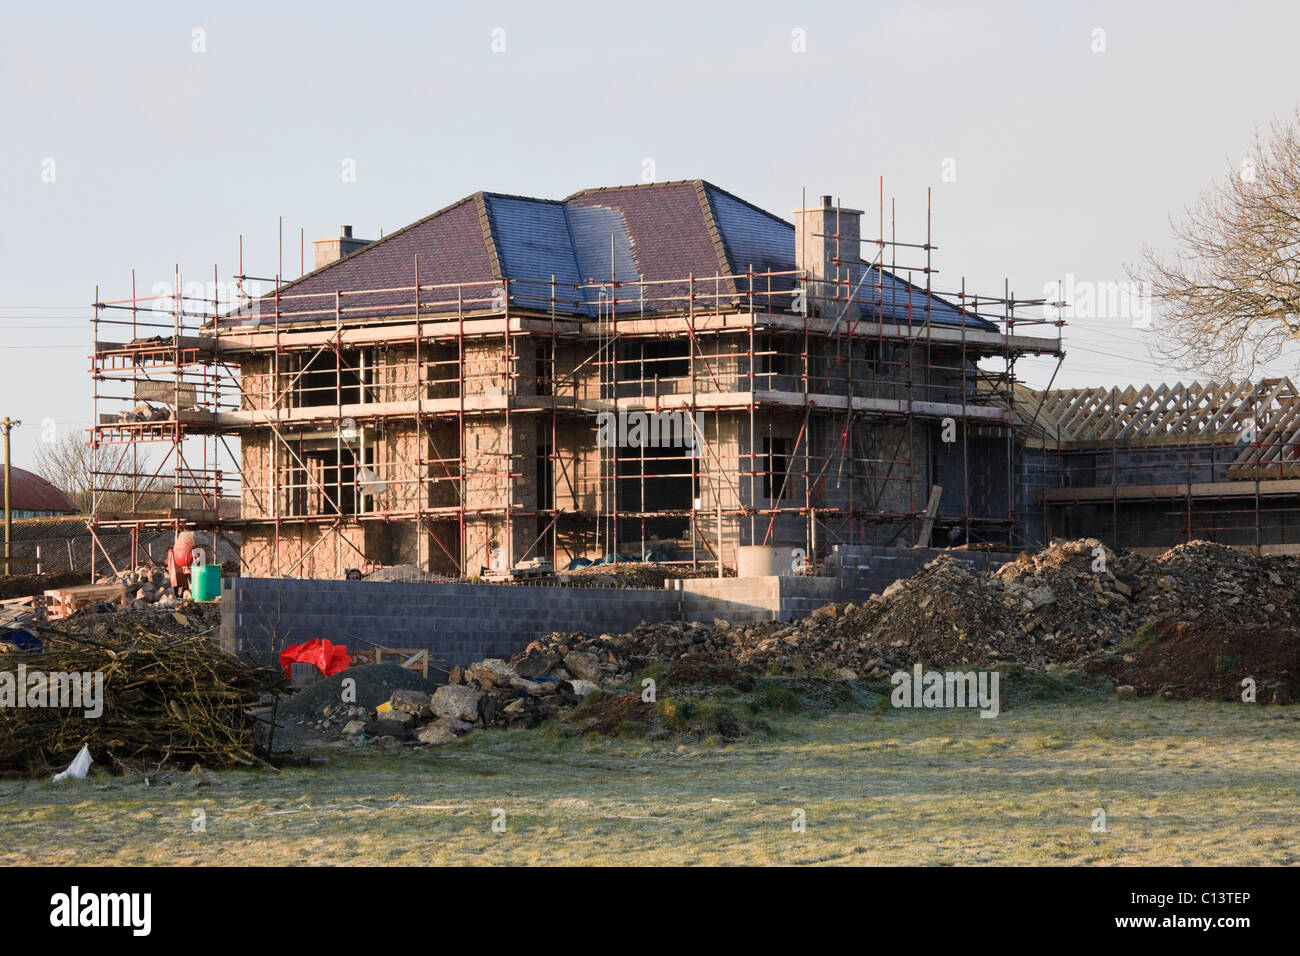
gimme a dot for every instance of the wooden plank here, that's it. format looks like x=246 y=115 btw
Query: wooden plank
x=422 y=659
x=931 y=510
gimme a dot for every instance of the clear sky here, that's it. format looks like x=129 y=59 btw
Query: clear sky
x=1054 y=150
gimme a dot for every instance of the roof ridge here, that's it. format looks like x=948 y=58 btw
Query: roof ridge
x=489 y=235
x=609 y=189
x=494 y=195
x=745 y=202
x=725 y=265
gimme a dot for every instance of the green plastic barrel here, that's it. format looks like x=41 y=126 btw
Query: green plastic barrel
x=206 y=583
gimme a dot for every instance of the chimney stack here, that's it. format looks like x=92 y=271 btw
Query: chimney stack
x=827 y=247
x=336 y=247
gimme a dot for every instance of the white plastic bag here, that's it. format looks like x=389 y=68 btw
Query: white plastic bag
x=79 y=767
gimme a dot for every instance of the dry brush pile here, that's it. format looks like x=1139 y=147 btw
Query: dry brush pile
x=168 y=695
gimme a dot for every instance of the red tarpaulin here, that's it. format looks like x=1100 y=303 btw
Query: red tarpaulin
x=330 y=658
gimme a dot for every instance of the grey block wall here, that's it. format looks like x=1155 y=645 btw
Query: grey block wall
x=863 y=570
x=463 y=623
x=456 y=623
x=1035 y=471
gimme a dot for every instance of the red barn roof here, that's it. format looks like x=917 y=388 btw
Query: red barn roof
x=33 y=493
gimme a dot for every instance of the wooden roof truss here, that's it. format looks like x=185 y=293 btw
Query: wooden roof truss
x=1263 y=418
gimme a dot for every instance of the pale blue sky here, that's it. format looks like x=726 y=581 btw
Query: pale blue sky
x=1066 y=160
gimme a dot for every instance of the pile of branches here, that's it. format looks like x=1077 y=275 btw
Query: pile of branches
x=166 y=698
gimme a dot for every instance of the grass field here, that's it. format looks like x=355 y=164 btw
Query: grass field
x=1180 y=783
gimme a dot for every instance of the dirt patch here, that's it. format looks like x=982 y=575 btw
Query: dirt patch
x=1184 y=660
x=701 y=669
x=606 y=715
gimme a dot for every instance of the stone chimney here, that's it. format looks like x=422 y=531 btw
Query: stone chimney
x=336 y=247
x=827 y=248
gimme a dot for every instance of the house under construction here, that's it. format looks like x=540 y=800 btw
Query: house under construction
x=661 y=371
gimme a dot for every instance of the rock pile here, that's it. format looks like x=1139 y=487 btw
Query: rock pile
x=1062 y=605
x=489 y=693
x=330 y=704
x=1056 y=606
x=1217 y=584
x=146 y=586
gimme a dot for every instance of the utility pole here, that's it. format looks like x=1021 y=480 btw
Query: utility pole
x=8 y=423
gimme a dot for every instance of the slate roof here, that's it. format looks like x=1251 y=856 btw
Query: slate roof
x=660 y=232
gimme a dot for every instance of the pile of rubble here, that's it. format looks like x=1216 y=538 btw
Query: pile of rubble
x=1061 y=605
x=332 y=703
x=488 y=693
x=111 y=629
x=146 y=585
x=1212 y=583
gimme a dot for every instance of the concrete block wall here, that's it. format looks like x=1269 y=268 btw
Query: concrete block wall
x=975 y=461
x=1163 y=524
x=863 y=570
x=1167 y=465
x=1035 y=471
x=739 y=600
x=799 y=597
x=463 y=623
x=457 y=623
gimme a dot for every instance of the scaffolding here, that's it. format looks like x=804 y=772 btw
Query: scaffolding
x=455 y=426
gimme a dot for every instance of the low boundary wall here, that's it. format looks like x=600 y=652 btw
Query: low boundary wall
x=463 y=623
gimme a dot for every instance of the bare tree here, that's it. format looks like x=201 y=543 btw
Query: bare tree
x=1231 y=287
x=78 y=469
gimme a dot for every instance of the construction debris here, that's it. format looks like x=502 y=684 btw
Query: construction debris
x=146 y=585
x=489 y=693
x=64 y=602
x=331 y=704
x=633 y=574
x=1074 y=603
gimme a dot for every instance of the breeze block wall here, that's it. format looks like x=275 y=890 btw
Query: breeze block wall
x=456 y=623
x=463 y=623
